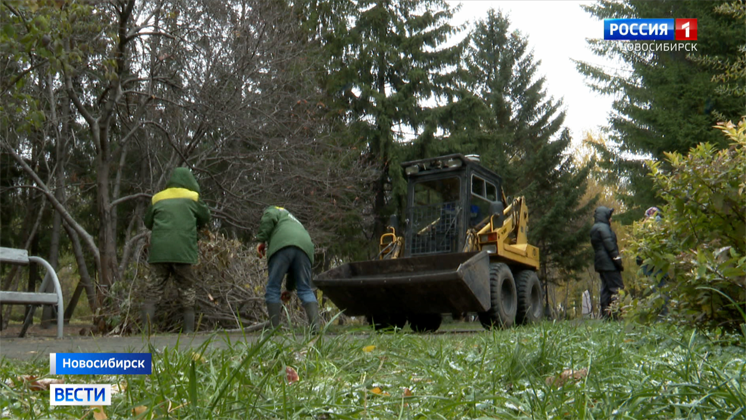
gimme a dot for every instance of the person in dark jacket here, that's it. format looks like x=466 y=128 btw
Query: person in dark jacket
x=174 y=217
x=289 y=248
x=607 y=261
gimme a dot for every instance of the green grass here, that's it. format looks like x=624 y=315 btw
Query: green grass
x=634 y=372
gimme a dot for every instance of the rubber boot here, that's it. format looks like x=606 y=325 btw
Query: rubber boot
x=274 y=310
x=188 y=320
x=147 y=316
x=312 y=313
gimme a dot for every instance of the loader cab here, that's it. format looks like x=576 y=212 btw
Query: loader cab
x=446 y=195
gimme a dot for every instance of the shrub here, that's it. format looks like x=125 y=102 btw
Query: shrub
x=700 y=243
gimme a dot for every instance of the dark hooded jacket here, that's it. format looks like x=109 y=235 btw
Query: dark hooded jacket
x=603 y=240
x=175 y=215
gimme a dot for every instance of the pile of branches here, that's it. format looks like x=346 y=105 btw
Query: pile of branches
x=231 y=280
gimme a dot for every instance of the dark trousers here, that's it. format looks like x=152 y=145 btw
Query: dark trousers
x=293 y=262
x=611 y=282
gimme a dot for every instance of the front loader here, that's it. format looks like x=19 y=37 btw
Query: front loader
x=463 y=248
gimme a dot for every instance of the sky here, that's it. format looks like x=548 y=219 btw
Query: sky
x=556 y=31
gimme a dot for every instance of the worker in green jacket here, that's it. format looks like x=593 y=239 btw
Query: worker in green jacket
x=289 y=248
x=174 y=217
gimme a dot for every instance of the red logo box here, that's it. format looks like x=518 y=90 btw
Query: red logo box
x=686 y=29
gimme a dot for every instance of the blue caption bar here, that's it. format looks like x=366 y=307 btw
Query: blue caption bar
x=100 y=363
x=639 y=29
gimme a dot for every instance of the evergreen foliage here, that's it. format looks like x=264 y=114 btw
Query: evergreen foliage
x=732 y=70
x=517 y=129
x=385 y=60
x=665 y=101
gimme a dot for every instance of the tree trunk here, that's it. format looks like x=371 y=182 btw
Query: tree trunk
x=85 y=278
x=105 y=237
x=48 y=313
x=382 y=152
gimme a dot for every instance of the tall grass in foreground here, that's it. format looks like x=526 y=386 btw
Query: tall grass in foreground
x=633 y=372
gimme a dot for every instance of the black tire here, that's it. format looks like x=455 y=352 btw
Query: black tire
x=503 y=298
x=530 y=299
x=382 y=322
x=425 y=322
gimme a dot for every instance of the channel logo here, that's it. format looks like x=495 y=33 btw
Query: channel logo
x=100 y=364
x=686 y=29
x=650 y=29
x=79 y=394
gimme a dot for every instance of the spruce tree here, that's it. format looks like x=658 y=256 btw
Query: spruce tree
x=386 y=59
x=670 y=101
x=517 y=129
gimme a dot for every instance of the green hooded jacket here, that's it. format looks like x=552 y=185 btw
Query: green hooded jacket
x=280 y=229
x=175 y=214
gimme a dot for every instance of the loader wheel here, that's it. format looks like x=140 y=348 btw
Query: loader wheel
x=530 y=298
x=503 y=298
x=382 y=322
x=425 y=322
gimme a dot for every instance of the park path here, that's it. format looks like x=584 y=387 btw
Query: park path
x=32 y=348
x=40 y=342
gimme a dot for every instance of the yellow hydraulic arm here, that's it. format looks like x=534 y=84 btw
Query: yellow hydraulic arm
x=390 y=246
x=508 y=239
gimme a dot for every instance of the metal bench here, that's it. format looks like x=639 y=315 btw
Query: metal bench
x=20 y=257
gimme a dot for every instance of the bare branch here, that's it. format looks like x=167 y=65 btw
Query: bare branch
x=128 y=198
x=92 y=122
x=128 y=246
x=21 y=75
x=55 y=203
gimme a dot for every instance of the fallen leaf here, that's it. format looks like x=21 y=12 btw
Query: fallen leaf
x=171 y=409
x=39 y=384
x=118 y=388
x=368 y=349
x=378 y=391
x=99 y=413
x=292 y=375
x=142 y=409
x=407 y=392
x=568 y=374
